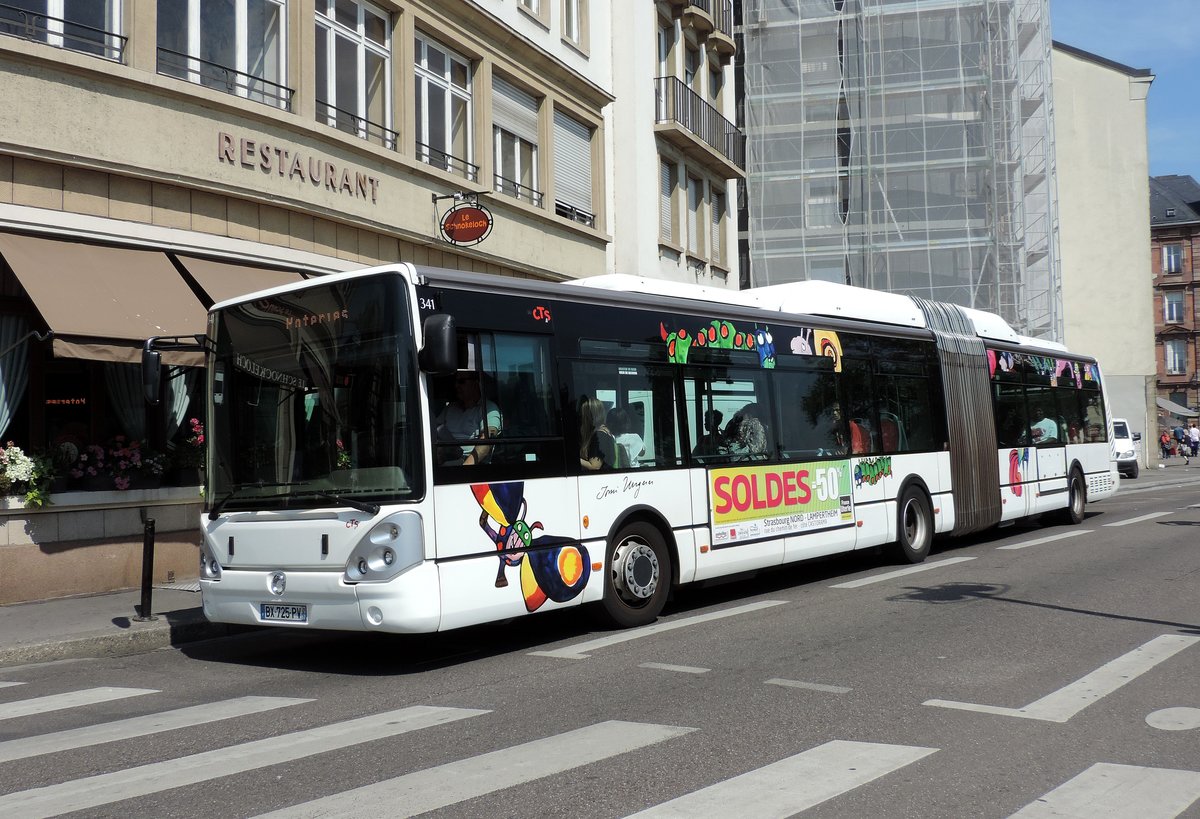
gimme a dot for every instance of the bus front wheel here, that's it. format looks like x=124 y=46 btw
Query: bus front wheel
x=914 y=526
x=639 y=576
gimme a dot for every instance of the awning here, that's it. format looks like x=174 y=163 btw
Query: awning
x=103 y=302
x=223 y=280
x=1176 y=409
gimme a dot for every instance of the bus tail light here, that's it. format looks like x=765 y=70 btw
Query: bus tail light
x=389 y=548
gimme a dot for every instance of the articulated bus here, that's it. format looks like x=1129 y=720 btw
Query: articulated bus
x=411 y=449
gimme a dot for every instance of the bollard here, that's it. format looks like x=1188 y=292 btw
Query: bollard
x=145 y=611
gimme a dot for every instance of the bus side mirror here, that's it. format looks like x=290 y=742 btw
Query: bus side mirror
x=440 y=353
x=1137 y=436
x=151 y=373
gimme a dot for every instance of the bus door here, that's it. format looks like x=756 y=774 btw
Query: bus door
x=1016 y=460
x=1048 y=432
x=506 y=523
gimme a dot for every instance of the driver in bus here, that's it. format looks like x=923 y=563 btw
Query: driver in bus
x=467 y=417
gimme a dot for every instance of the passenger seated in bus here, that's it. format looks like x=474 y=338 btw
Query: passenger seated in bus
x=597 y=444
x=710 y=442
x=1044 y=429
x=469 y=416
x=745 y=436
x=630 y=443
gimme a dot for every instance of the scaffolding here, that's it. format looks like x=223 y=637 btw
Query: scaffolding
x=904 y=146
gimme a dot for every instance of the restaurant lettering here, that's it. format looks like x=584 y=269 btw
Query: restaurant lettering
x=294 y=165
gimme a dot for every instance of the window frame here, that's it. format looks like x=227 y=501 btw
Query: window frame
x=1175 y=348
x=1173 y=307
x=425 y=78
x=328 y=25
x=1172 y=258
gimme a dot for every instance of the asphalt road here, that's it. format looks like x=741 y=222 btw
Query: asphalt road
x=1033 y=669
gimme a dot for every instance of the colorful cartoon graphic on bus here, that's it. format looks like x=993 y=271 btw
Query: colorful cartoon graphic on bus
x=722 y=335
x=812 y=341
x=551 y=567
x=766 y=347
x=1018 y=460
x=1062 y=372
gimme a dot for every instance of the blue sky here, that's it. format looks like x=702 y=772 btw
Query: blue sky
x=1162 y=35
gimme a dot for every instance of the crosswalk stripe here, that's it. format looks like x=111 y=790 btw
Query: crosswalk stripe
x=579 y=650
x=878 y=578
x=1118 y=792
x=105 y=789
x=71 y=699
x=793 y=784
x=139 y=726
x=464 y=779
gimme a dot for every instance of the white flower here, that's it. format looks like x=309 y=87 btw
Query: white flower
x=19 y=466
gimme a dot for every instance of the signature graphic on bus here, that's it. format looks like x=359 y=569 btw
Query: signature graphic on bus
x=551 y=567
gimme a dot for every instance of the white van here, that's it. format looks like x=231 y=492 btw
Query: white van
x=1125 y=448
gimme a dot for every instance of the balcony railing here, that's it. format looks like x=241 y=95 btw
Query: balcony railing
x=680 y=104
x=574 y=213
x=447 y=162
x=62 y=33
x=518 y=191
x=353 y=124
x=230 y=80
x=722 y=14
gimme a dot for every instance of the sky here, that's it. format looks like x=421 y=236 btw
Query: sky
x=1163 y=36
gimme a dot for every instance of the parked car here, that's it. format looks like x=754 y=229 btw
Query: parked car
x=1125 y=447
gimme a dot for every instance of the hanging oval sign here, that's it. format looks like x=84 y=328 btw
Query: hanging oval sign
x=467 y=224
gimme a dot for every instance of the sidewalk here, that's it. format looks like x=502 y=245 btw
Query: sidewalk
x=104 y=625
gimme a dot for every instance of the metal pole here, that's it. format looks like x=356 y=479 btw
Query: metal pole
x=145 y=610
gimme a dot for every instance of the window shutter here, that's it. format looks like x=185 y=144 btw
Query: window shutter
x=717 y=210
x=514 y=110
x=666 y=210
x=572 y=162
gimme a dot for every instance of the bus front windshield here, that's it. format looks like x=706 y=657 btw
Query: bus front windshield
x=314 y=399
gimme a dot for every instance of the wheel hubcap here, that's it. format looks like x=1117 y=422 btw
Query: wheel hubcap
x=635 y=570
x=914 y=525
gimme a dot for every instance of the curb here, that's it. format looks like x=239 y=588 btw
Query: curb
x=138 y=638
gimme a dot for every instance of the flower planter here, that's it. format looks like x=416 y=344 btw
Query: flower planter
x=187 y=476
x=96 y=483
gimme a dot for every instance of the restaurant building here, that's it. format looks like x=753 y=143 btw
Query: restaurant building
x=155 y=160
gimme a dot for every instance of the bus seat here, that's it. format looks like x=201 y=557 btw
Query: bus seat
x=890 y=433
x=860 y=441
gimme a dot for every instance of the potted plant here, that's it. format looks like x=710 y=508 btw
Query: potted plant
x=189 y=456
x=41 y=481
x=16 y=469
x=91 y=469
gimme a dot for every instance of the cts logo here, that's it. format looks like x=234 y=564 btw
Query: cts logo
x=541 y=313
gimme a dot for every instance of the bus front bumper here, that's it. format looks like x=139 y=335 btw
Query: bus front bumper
x=408 y=604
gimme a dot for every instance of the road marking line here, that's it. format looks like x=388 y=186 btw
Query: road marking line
x=879 y=578
x=71 y=699
x=104 y=789
x=480 y=775
x=9 y=684
x=831 y=689
x=1048 y=539
x=1069 y=700
x=139 y=726
x=1118 y=792
x=794 y=784
x=579 y=651
x=1150 y=516
x=684 y=669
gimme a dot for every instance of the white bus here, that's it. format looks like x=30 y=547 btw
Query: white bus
x=608 y=442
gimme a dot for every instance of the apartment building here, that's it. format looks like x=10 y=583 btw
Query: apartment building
x=1174 y=241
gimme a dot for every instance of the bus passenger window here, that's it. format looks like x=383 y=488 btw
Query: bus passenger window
x=624 y=416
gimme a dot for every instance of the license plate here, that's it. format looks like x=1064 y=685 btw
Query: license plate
x=283 y=614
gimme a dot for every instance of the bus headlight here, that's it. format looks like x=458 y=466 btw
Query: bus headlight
x=210 y=567
x=389 y=548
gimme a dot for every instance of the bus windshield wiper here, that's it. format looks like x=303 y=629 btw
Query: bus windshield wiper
x=237 y=487
x=362 y=506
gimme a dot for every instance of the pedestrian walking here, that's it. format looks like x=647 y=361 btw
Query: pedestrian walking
x=1183 y=444
x=1164 y=445
x=1194 y=434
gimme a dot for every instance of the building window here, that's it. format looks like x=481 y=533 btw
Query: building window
x=1170 y=213
x=716 y=213
x=353 y=55
x=574 y=22
x=236 y=46
x=666 y=41
x=695 y=218
x=668 y=180
x=90 y=26
x=716 y=81
x=1175 y=355
x=691 y=67
x=533 y=6
x=1172 y=258
x=1173 y=307
x=443 y=101
x=515 y=130
x=573 y=169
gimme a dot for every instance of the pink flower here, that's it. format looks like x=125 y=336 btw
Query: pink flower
x=121 y=483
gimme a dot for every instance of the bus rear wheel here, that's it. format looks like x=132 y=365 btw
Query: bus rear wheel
x=914 y=526
x=639 y=576
x=1076 y=499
